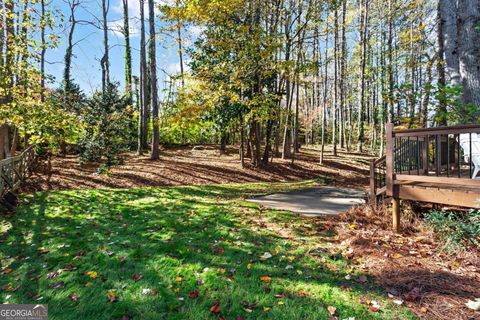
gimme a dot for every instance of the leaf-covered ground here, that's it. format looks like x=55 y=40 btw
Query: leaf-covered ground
x=195 y=252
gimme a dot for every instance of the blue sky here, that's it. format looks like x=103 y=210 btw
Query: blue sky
x=86 y=69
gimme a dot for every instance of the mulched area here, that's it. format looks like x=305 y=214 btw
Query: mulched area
x=193 y=166
x=413 y=267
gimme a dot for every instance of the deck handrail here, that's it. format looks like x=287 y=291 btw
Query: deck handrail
x=436 y=130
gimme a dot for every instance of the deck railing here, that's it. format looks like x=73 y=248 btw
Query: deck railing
x=378 y=177
x=14 y=170
x=443 y=155
x=420 y=164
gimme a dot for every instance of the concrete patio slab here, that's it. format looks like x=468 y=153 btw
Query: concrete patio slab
x=314 y=201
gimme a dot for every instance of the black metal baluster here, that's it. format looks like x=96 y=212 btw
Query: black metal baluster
x=408 y=154
x=448 y=157
x=470 y=157
x=459 y=158
x=428 y=154
x=418 y=156
x=435 y=155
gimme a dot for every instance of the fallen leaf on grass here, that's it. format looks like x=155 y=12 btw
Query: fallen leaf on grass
x=137 y=277
x=266 y=309
x=74 y=297
x=69 y=267
x=267 y=289
x=332 y=310
x=265 y=256
x=216 y=308
x=280 y=295
x=265 y=279
x=7 y=270
x=374 y=306
x=362 y=279
x=42 y=251
x=249 y=266
x=248 y=306
x=178 y=279
x=92 y=274
x=9 y=288
x=193 y=294
x=112 y=296
x=79 y=254
x=52 y=274
x=57 y=285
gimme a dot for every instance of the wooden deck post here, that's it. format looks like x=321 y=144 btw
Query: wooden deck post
x=389 y=159
x=391 y=190
x=396 y=214
x=373 y=193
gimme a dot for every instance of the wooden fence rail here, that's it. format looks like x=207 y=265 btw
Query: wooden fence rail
x=14 y=170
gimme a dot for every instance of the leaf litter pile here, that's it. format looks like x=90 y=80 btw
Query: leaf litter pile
x=412 y=267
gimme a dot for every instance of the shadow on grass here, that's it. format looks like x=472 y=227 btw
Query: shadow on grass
x=172 y=241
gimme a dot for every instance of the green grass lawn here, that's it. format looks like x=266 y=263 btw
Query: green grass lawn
x=173 y=253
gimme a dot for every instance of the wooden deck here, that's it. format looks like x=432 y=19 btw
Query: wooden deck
x=427 y=165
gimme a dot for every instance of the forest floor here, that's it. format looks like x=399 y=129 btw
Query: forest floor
x=353 y=262
x=189 y=166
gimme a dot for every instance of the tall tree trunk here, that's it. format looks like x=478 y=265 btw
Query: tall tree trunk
x=343 y=65
x=153 y=82
x=4 y=141
x=448 y=14
x=335 y=83
x=441 y=111
x=288 y=118
x=242 y=142
x=325 y=95
x=268 y=134
x=390 y=62
x=43 y=26
x=180 y=53
x=363 y=40
x=426 y=97
x=69 y=50
x=9 y=48
x=144 y=82
x=469 y=56
x=105 y=61
x=128 y=51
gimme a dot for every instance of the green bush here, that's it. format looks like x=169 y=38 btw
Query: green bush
x=456 y=229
